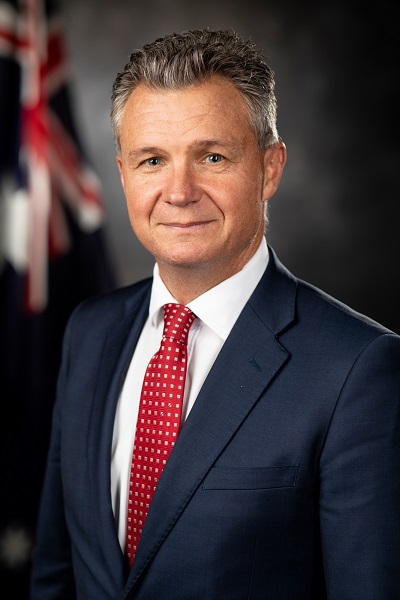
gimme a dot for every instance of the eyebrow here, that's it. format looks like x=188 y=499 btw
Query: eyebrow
x=145 y=150
x=233 y=147
x=202 y=144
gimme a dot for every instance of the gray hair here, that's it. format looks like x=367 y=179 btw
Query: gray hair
x=180 y=60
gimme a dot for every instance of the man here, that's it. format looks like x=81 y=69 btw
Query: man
x=284 y=480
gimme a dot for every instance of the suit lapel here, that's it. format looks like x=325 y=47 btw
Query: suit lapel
x=249 y=359
x=116 y=353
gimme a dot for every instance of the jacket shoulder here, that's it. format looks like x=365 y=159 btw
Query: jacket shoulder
x=99 y=314
x=319 y=303
x=316 y=314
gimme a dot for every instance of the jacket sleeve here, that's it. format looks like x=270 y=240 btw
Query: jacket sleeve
x=360 y=479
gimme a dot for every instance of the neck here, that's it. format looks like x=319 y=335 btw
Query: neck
x=185 y=285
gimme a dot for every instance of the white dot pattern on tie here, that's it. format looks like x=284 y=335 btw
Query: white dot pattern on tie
x=159 y=418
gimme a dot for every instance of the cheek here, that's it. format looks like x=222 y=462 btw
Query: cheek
x=139 y=199
x=244 y=203
x=138 y=211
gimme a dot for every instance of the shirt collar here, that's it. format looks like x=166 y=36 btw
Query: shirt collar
x=219 y=307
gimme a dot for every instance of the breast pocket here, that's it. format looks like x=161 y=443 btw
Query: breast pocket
x=258 y=478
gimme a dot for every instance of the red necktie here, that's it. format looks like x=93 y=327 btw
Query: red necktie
x=159 y=418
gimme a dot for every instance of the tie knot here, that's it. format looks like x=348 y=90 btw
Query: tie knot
x=177 y=321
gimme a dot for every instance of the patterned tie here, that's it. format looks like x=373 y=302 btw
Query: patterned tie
x=159 y=418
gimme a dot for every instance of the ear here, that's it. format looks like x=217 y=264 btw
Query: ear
x=120 y=169
x=274 y=162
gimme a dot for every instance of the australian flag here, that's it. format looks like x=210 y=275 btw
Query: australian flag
x=52 y=255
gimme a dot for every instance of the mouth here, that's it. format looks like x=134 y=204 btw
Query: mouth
x=186 y=226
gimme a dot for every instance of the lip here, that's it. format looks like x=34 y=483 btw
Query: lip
x=191 y=225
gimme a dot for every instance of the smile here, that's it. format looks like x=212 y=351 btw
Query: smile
x=194 y=225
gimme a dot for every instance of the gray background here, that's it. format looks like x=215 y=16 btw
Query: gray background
x=334 y=220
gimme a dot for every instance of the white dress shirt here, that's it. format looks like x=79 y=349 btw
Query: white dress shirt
x=217 y=311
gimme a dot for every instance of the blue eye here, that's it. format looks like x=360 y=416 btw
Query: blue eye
x=214 y=158
x=153 y=162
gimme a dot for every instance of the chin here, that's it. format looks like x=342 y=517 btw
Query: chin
x=183 y=255
x=185 y=260
x=181 y=262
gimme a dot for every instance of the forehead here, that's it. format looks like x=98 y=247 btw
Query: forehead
x=214 y=106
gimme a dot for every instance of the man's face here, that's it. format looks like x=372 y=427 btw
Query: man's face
x=194 y=178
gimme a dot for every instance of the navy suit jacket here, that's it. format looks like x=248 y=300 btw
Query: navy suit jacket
x=284 y=483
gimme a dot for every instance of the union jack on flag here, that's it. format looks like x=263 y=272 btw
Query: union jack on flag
x=47 y=173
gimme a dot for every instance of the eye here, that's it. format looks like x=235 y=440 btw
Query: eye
x=214 y=158
x=152 y=162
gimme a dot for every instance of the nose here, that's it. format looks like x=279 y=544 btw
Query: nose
x=180 y=186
